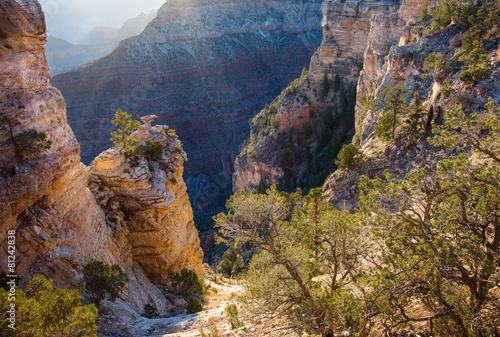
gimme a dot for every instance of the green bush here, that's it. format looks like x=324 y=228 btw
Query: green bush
x=31 y=143
x=442 y=16
x=123 y=136
x=42 y=311
x=349 y=156
x=324 y=86
x=231 y=312
x=187 y=284
x=150 y=150
x=478 y=67
x=232 y=263
x=103 y=281
x=150 y=311
x=193 y=306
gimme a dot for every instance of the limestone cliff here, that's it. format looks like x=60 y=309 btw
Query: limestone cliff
x=44 y=196
x=395 y=55
x=346 y=26
x=150 y=200
x=205 y=68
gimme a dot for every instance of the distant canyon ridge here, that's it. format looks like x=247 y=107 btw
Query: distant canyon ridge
x=204 y=67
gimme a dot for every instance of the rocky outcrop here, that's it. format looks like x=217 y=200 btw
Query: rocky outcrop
x=43 y=193
x=150 y=199
x=346 y=26
x=205 y=68
x=395 y=55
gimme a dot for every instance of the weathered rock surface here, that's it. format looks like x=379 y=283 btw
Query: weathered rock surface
x=346 y=26
x=205 y=68
x=395 y=54
x=45 y=200
x=151 y=200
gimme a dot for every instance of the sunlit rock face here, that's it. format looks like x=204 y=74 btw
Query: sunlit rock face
x=205 y=68
x=346 y=27
x=57 y=221
x=149 y=199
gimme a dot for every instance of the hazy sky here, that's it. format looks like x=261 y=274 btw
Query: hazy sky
x=72 y=20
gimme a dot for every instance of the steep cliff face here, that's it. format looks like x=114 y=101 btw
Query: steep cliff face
x=346 y=27
x=150 y=199
x=395 y=55
x=204 y=67
x=44 y=196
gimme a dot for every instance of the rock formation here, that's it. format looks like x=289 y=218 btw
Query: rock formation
x=395 y=54
x=205 y=68
x=346 y=26
x=151 y=200
x=44 y=196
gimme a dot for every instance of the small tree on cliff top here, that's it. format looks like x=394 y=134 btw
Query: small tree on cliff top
x=123 y=136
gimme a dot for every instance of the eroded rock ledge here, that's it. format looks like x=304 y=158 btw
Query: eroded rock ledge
x=149 y=199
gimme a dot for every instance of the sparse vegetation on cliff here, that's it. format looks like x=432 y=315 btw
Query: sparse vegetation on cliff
x=429 y=240
x=31 y=144
x=123 y=136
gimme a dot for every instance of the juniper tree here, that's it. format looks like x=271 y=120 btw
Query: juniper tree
x=440 y=232
x=390 y=117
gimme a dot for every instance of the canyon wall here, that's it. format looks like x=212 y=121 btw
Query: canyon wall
x=44 y=194
x=205 y=68
x=346 y=28
x=395 y=55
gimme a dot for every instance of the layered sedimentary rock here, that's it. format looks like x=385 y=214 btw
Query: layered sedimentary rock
x=150 y=199
x=44 y=196
x=395 y=55
x=346 y=27
x=205 y=68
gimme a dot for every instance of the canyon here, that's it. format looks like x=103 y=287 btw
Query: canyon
x=64 y=56
x=64 y=212
x=204 y=68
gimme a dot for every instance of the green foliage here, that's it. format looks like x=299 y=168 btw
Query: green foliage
x=424 y=12
x=232 y=263
x=123 y=136
x=305 y=255
x=304 y=73
x=477 y=68
x=415 y=122
x=31 y=143
x=150 y=311
x=188 y=284
x=103 y=281
x=442 y=16
x=440 y=233
x=324 y=86
x=150 y=150
x=390 y=118
x=349 y=157
x=193 y=306
x=438 y=64
x=231 y=312
x=42 y=311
